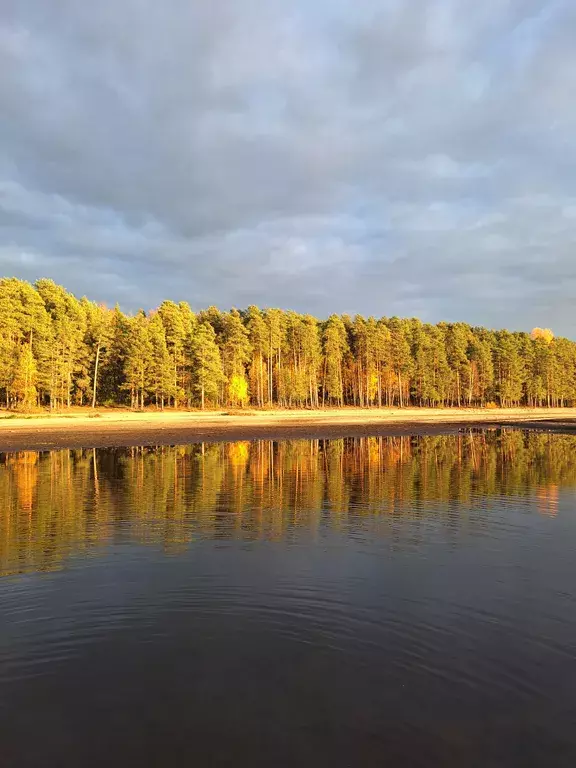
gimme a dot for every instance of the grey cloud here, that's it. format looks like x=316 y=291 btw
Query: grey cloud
x=378 y=157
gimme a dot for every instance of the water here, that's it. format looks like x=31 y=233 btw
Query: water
x=360 y=602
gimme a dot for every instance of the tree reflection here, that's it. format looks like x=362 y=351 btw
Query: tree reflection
x=58 y=503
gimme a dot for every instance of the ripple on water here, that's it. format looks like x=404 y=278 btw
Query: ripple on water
x=413 y=596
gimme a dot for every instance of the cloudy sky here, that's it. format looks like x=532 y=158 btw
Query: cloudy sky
x=410 y=157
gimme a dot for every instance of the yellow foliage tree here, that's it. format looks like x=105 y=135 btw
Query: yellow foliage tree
x=239 y=453
x=542 y=333
x=238 y=390
x=372 y=387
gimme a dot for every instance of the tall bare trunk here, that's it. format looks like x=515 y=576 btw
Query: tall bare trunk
x=95 y=383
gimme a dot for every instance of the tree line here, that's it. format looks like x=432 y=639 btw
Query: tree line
x=57 y=350
x=170 y=495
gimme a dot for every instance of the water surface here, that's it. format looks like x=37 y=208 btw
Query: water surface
x=373 y=601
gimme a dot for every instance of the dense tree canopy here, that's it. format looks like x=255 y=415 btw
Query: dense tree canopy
x=58 y=351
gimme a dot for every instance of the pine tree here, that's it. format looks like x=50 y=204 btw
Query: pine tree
x=401 y=358
x=189 y=322
x=162 y=374
x=381 y=349
x=68 y=328
x=276 y=341
x=98 y=341
x=24 y=381
x=457 y=337
x=509 y=369
x=335 y=347
x=236 y=352
x=258 y=336
x=481 y=378
x=208 y=374
x=311 y=350
x=112 y=372
x=24 y=321
x=138 y=362
x=431 y=373
x=174 y=319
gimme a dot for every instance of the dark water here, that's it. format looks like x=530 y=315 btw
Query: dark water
x=383 y=601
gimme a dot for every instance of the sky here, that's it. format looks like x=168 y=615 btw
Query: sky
x=386 y=157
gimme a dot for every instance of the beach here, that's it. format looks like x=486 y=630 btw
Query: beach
x=117 y=427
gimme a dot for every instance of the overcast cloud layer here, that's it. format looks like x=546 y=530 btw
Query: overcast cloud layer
x=410 y=157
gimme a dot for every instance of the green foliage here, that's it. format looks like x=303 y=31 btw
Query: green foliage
x=24 y=382
x=208 y=374
x=163 y=378
x=56 y=350
x=138 y=369
x=335 y=347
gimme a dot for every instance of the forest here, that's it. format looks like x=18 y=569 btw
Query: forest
x=59 y=351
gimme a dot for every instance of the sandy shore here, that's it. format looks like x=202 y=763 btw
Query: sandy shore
x=125 y=428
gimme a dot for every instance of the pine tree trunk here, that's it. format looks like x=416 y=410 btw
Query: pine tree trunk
x=261 y=387
x=95 y=383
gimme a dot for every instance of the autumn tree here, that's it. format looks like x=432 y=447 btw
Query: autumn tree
x=545 y=334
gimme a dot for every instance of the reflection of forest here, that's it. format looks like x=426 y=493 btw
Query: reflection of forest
x=56 y=503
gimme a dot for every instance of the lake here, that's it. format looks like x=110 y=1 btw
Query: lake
x=403 y=601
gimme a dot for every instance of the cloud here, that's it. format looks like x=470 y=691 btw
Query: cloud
x=379 y=157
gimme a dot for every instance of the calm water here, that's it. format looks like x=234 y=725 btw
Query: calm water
x=359 y=602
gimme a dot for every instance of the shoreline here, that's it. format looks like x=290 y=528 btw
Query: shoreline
x=117 y=428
